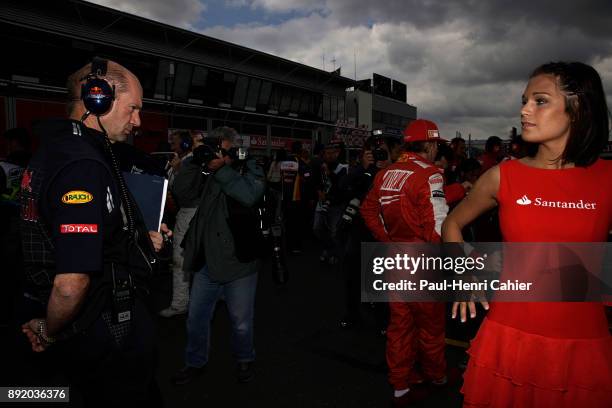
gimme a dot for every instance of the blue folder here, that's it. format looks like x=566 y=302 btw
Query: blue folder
x=150 y=194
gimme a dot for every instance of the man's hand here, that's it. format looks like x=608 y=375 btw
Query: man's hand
x=30 y=329
x=157 y=238
x=216 y=164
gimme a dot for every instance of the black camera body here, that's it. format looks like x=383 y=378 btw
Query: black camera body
x=204 y=154
x=351 y=210
x=378 y=152
x=211 y=149
x=239 y=154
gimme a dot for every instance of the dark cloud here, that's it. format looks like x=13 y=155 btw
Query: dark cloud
x=492 y=17
x=465 y=62
x=180 y=13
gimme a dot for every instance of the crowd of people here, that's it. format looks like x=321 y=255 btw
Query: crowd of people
x=87 y=305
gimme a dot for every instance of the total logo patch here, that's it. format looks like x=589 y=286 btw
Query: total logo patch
x=79 y=228
x=77 y=197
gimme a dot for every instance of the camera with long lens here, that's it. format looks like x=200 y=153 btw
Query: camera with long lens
x=324 y=206
x=272 y=232
x=351 y=210
x=207 y=152
x=211 y=149
x=280 y=272
x=238 y=154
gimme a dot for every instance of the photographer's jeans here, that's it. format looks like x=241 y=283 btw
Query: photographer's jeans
x=325 y=228
x=180 y=282
x=239 y=296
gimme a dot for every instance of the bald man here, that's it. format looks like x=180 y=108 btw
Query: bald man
x=87 y=252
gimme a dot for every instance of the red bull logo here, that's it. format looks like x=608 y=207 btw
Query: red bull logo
x=96 y=93
x=26 y=180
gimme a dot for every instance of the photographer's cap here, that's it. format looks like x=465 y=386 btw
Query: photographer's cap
x=422 y=130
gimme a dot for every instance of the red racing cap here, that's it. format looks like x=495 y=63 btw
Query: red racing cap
x=422 y=130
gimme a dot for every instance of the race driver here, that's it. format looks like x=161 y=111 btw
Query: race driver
x=407 y=204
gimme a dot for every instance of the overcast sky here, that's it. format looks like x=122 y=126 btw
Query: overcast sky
x=465 y=63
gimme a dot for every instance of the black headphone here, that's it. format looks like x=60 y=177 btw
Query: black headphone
x=186 y=141
x=97 y=93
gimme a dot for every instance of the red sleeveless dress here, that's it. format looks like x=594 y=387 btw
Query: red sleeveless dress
x=546 y=354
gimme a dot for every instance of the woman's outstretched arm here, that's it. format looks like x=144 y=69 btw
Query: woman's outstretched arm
x=482 y=198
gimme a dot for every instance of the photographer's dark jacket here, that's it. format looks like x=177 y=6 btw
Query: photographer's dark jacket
x=209 y=239
x=188 y=184
x=357 y=182
x=331 y=185
x=71 y=218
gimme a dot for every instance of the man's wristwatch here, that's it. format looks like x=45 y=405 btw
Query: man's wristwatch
x=42 y=332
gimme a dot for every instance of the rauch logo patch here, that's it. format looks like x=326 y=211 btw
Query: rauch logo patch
x=77 y=197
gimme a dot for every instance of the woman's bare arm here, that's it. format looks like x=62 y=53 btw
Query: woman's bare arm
x=482 y=198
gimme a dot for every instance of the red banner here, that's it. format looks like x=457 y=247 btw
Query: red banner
x=278 y=142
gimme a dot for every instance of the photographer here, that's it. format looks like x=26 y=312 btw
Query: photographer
x=185 y=186
x=220 y=251
x=298 y=194
x=330 y=207
x=378 y=153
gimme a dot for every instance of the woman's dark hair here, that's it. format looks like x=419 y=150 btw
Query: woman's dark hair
x=456 y=140
x=491 y=142
x=585 y=103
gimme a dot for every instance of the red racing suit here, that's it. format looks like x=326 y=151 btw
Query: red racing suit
x=407 y=204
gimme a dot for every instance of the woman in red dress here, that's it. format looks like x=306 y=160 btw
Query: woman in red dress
x=545 y=354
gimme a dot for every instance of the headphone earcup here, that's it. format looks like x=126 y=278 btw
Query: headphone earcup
x=186 y=143
x=97 y=95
